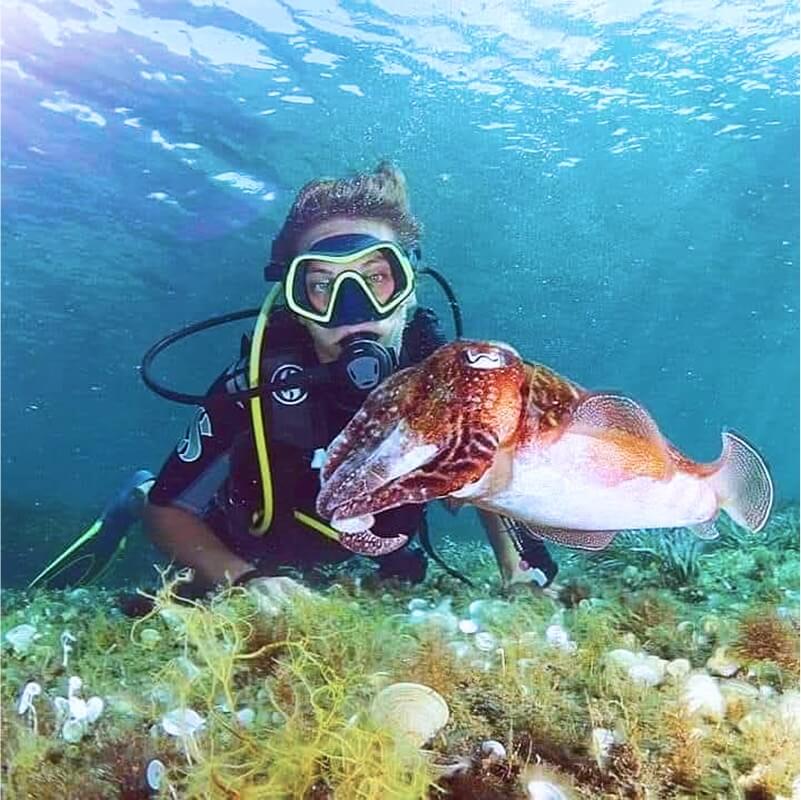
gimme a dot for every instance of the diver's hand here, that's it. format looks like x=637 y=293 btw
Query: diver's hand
x=273 y=594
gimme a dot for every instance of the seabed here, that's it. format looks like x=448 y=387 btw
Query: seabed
x=661 y=668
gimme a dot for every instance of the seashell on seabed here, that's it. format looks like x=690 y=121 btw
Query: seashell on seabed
x=493 y=751
x=702 y=697
x=411 y=711
x=722 y=664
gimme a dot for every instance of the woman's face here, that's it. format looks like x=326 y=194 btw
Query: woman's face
x=389 y=330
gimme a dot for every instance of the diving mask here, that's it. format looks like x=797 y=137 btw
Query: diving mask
x=377 y=278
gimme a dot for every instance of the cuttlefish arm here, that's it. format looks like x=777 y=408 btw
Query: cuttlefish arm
x=364 y=468
x=425 y=433
x=366 y=543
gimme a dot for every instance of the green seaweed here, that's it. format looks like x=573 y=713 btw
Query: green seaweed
x=285 y=701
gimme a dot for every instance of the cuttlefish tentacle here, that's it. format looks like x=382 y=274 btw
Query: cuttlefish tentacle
x=369 y=426
x=461 y=461
x=425 y=433
x=365 y=543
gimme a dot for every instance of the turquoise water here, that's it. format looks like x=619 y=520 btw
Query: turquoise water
x=610 y=187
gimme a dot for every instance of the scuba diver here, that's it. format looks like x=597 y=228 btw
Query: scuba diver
x=235 y=500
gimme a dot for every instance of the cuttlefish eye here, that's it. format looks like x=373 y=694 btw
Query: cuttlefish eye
x=487 y=357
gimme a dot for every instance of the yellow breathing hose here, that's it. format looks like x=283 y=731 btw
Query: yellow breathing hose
x=261 y=522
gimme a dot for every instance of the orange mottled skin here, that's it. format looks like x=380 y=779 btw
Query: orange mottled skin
x=549 y=402
x=449 y=395
x=474 y=412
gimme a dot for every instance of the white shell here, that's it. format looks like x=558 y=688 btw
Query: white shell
x=544 y=790
x=641 y=668
x=94 y=708
x=484 y=610
x=476 y=608
x=182 y=722
x=722 y=664
x=485 y=642
x=459 y=649
x=21 y=638
x=31 y=690
x=459 y=766
x=446 y=622
x=702 y=696
x=173 y=619
x=73 y=730
x=645 y=674
x=622 y=658
x=468 y=626
x=155 y=774
x=77 y=708
x=246 y=717
x=493 y=750
x=411 y=711
x=62 y=708
x=149 y=638
x=558 y=637
x=678 y=668
x=601 y=743
x=442 y=617
x=417 y=604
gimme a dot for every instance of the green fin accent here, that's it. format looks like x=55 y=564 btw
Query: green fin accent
x=83 y=562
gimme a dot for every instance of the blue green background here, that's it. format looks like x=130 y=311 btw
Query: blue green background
x=610 y=187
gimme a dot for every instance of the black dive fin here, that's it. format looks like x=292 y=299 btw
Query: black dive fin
x=92 y=553
x=83 y=562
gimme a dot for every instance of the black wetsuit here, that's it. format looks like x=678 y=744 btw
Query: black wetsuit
x=213 y=472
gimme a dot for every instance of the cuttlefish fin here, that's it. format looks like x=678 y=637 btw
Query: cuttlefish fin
x=636 y=445
x=581 y=540
x=607 y=410
x=742 y=483
x=705 y=530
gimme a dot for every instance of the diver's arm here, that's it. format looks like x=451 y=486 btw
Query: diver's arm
x=503 y=548
x=527 y=562
x=187 y=540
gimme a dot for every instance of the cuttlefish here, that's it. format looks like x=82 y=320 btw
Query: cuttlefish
x=476 y=423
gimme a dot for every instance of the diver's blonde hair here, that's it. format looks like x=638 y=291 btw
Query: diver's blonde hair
x=379 y=195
